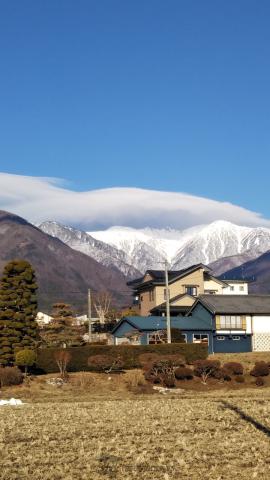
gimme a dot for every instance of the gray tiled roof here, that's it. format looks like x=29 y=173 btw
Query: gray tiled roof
x=246 y=304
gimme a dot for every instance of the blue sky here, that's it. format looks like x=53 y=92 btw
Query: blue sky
x=165 y=95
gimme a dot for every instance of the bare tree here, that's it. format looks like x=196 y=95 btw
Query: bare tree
x=62 y=358
x=102 y=304
x=159 y=336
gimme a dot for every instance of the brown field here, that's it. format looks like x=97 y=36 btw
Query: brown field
x=153 y=438
x=97 y=429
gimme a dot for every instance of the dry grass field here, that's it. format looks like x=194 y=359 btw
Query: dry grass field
x=152 y=438
x=94 y=428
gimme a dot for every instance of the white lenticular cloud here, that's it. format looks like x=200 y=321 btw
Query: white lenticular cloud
x=39 y=199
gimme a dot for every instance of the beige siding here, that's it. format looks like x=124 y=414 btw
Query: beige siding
x=146 y=304
x=213 y=285
x=184 y=301
x=176 y=288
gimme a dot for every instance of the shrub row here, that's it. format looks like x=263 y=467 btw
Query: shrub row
x=128 y=353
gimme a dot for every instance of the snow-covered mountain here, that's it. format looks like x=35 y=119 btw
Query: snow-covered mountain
x=214 y=241
x=102 y=252
x=136 y=250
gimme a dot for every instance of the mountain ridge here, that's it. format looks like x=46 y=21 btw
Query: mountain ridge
x=63 y=273
x=133 y=251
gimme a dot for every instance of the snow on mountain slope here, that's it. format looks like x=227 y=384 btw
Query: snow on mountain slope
x=83 y=242
x=142 y=250
x=135 y=250
x=214 y=241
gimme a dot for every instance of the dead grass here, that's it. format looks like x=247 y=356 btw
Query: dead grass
x=247 y=359
x=97 y=427
x=161 y=438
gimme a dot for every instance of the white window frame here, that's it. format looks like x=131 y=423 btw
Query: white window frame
x=201 y=334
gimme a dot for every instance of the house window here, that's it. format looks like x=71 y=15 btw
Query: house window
x=236 y=337
x=191 y=290
x=141 y=298
x=151 y=295
x=241 y=288
x=220 y=338
x=200 y=338
x=165 y=293
x=231 y=322
x=231 y=288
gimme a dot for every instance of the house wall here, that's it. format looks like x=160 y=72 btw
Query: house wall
x=146 y=304
x=232 y=346
x=178 y=287
x=183 y=301
x=213 y=285
x=261 y=333
x=189 y=335
x=261 y=324
x=202 y=314
x=236 y=289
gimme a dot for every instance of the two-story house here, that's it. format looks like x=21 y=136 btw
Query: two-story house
x=184 y=287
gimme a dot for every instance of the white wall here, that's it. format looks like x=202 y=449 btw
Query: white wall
x=261 y=324
x=237 y=288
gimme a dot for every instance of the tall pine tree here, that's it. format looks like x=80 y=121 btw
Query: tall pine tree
x=18 y=309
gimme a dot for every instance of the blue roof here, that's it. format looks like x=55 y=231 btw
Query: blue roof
x=152 y=323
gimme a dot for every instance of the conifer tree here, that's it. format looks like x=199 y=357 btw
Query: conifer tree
x=62 y=331
x=18 y=310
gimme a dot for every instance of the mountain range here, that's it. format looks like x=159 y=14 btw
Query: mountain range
x=221 y=244
x=63 y=273
x=68 y=261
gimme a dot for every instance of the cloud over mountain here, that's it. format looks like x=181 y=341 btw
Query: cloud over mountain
x=41 y=198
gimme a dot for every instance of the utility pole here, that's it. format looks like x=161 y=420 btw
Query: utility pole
x=169 y=338
x=89 y=316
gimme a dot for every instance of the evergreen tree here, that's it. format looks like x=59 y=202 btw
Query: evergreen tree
x=18 y=310
x=62 y=331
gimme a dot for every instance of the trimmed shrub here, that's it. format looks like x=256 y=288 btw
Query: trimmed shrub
x=183 y=373
x=25 y=358
x=105 y=363
x=129 y=353
x=234 y=368
x=240 y=379
x=261 y=369
x=161 y=371
x=10 y=376
x=206 y=366
x=222 y=374
x=168 y=381
x=150 y=377
x=259 y=382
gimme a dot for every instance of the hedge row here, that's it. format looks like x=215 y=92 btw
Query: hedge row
x=129 y=353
